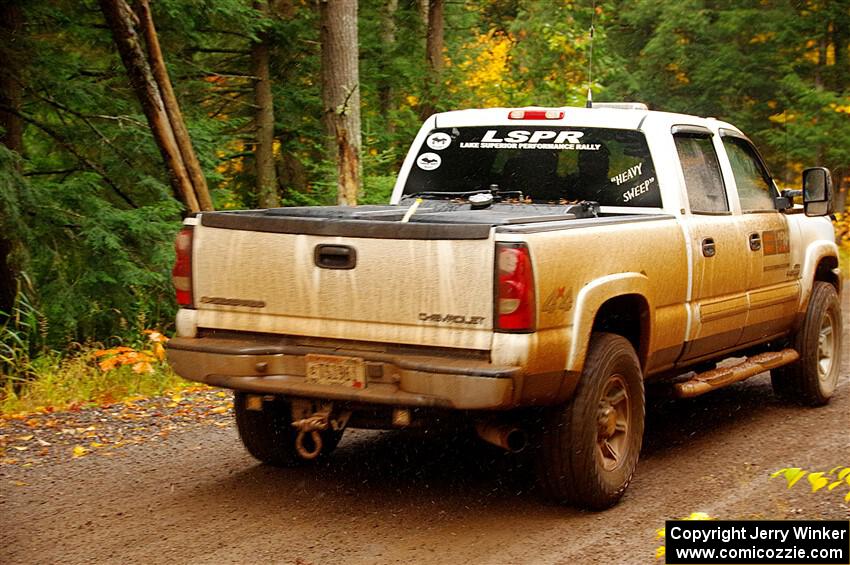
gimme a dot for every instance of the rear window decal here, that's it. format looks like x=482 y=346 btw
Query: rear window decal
x=428 y=161
x=438 y=141
x=628 y=174
x=639 y=189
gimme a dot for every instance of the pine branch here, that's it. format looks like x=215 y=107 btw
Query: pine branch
x=215 y=50
x=88 y=163
x=56 y=172
x=225 y=32
x=125 y=158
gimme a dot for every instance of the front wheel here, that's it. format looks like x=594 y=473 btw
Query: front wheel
x=590 y=447
x=812 y=379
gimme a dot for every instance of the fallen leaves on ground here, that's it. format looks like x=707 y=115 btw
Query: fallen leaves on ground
x=47 y=436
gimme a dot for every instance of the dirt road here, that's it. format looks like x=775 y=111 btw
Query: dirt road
x=389 y=497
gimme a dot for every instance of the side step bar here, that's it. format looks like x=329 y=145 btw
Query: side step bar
x=724 y=376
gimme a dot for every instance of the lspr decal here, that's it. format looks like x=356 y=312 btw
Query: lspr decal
x=524 y=139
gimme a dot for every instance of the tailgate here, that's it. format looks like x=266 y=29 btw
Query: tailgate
x=401 y=288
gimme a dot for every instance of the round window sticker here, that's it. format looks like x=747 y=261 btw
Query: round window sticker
x=439 y=140
x=428 y=161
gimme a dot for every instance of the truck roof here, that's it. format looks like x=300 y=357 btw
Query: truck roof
x=604 y=117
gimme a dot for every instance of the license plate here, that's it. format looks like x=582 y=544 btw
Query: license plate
x=337 y=371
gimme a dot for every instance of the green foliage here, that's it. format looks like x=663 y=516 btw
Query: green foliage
x=89 y=267
x=771 y=68
x=90 y=212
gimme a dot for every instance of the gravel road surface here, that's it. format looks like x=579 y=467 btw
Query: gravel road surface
x=194 y=495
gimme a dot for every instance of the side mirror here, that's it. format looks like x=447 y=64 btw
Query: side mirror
x=817 y=191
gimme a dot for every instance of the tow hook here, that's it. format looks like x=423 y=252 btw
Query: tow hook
x=311 y=427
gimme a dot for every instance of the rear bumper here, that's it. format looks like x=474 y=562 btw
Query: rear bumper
x=409 y=380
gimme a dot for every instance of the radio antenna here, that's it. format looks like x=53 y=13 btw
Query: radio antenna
x=589 y=103
x=787 y=171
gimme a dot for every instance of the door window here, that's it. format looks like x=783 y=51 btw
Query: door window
x=703 y=179
x=755 y=189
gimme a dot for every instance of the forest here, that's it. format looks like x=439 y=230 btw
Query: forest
x=119 y=117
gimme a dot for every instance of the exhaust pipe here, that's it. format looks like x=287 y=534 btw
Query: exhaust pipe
x=507 y=437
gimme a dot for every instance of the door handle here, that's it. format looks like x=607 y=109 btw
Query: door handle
x=708 y=247
x=335 y=256
x=755 y=241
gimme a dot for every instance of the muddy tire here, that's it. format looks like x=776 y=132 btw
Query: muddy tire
x=268 y=434
x=812 y=379
x=590 y=447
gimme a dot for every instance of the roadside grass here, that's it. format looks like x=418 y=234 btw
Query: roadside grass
x=55 y=382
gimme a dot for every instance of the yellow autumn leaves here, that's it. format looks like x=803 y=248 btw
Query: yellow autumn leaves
x=831 y=480
x=142 y=361
x=842 y=228
x=486 y=67
x=660 y=533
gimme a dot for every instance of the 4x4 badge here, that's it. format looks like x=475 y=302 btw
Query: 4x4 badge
x=559 y=299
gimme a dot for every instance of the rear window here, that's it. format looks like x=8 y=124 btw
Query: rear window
x=546 y=164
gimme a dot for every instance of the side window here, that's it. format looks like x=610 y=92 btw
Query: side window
x=703 y=179
x=754 y=187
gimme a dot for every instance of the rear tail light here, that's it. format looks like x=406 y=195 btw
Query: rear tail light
x=515 y=307
x=535 y=115
x=181 y=275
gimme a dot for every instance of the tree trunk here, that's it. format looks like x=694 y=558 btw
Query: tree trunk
x=172 y=108
x=434 y=55
x=120 y=18
x=840 y=189
x=291 y=174
x=385 y=89
x=264 y=119
x=423 y=13
x=341 y=92
x=435 y=36
x=11 y=90
x=12 y=136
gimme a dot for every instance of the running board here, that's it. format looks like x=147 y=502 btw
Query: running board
x=725 y=376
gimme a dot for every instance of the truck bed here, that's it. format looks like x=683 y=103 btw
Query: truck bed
x=433 y=220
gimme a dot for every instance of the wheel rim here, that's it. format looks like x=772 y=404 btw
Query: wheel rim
x=826 y=347
x=612 y=433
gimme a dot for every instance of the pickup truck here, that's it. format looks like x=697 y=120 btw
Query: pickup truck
x=534 y=268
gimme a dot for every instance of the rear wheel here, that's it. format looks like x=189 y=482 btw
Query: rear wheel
x=590 y=446
x=812 y=379
x=268 y=434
